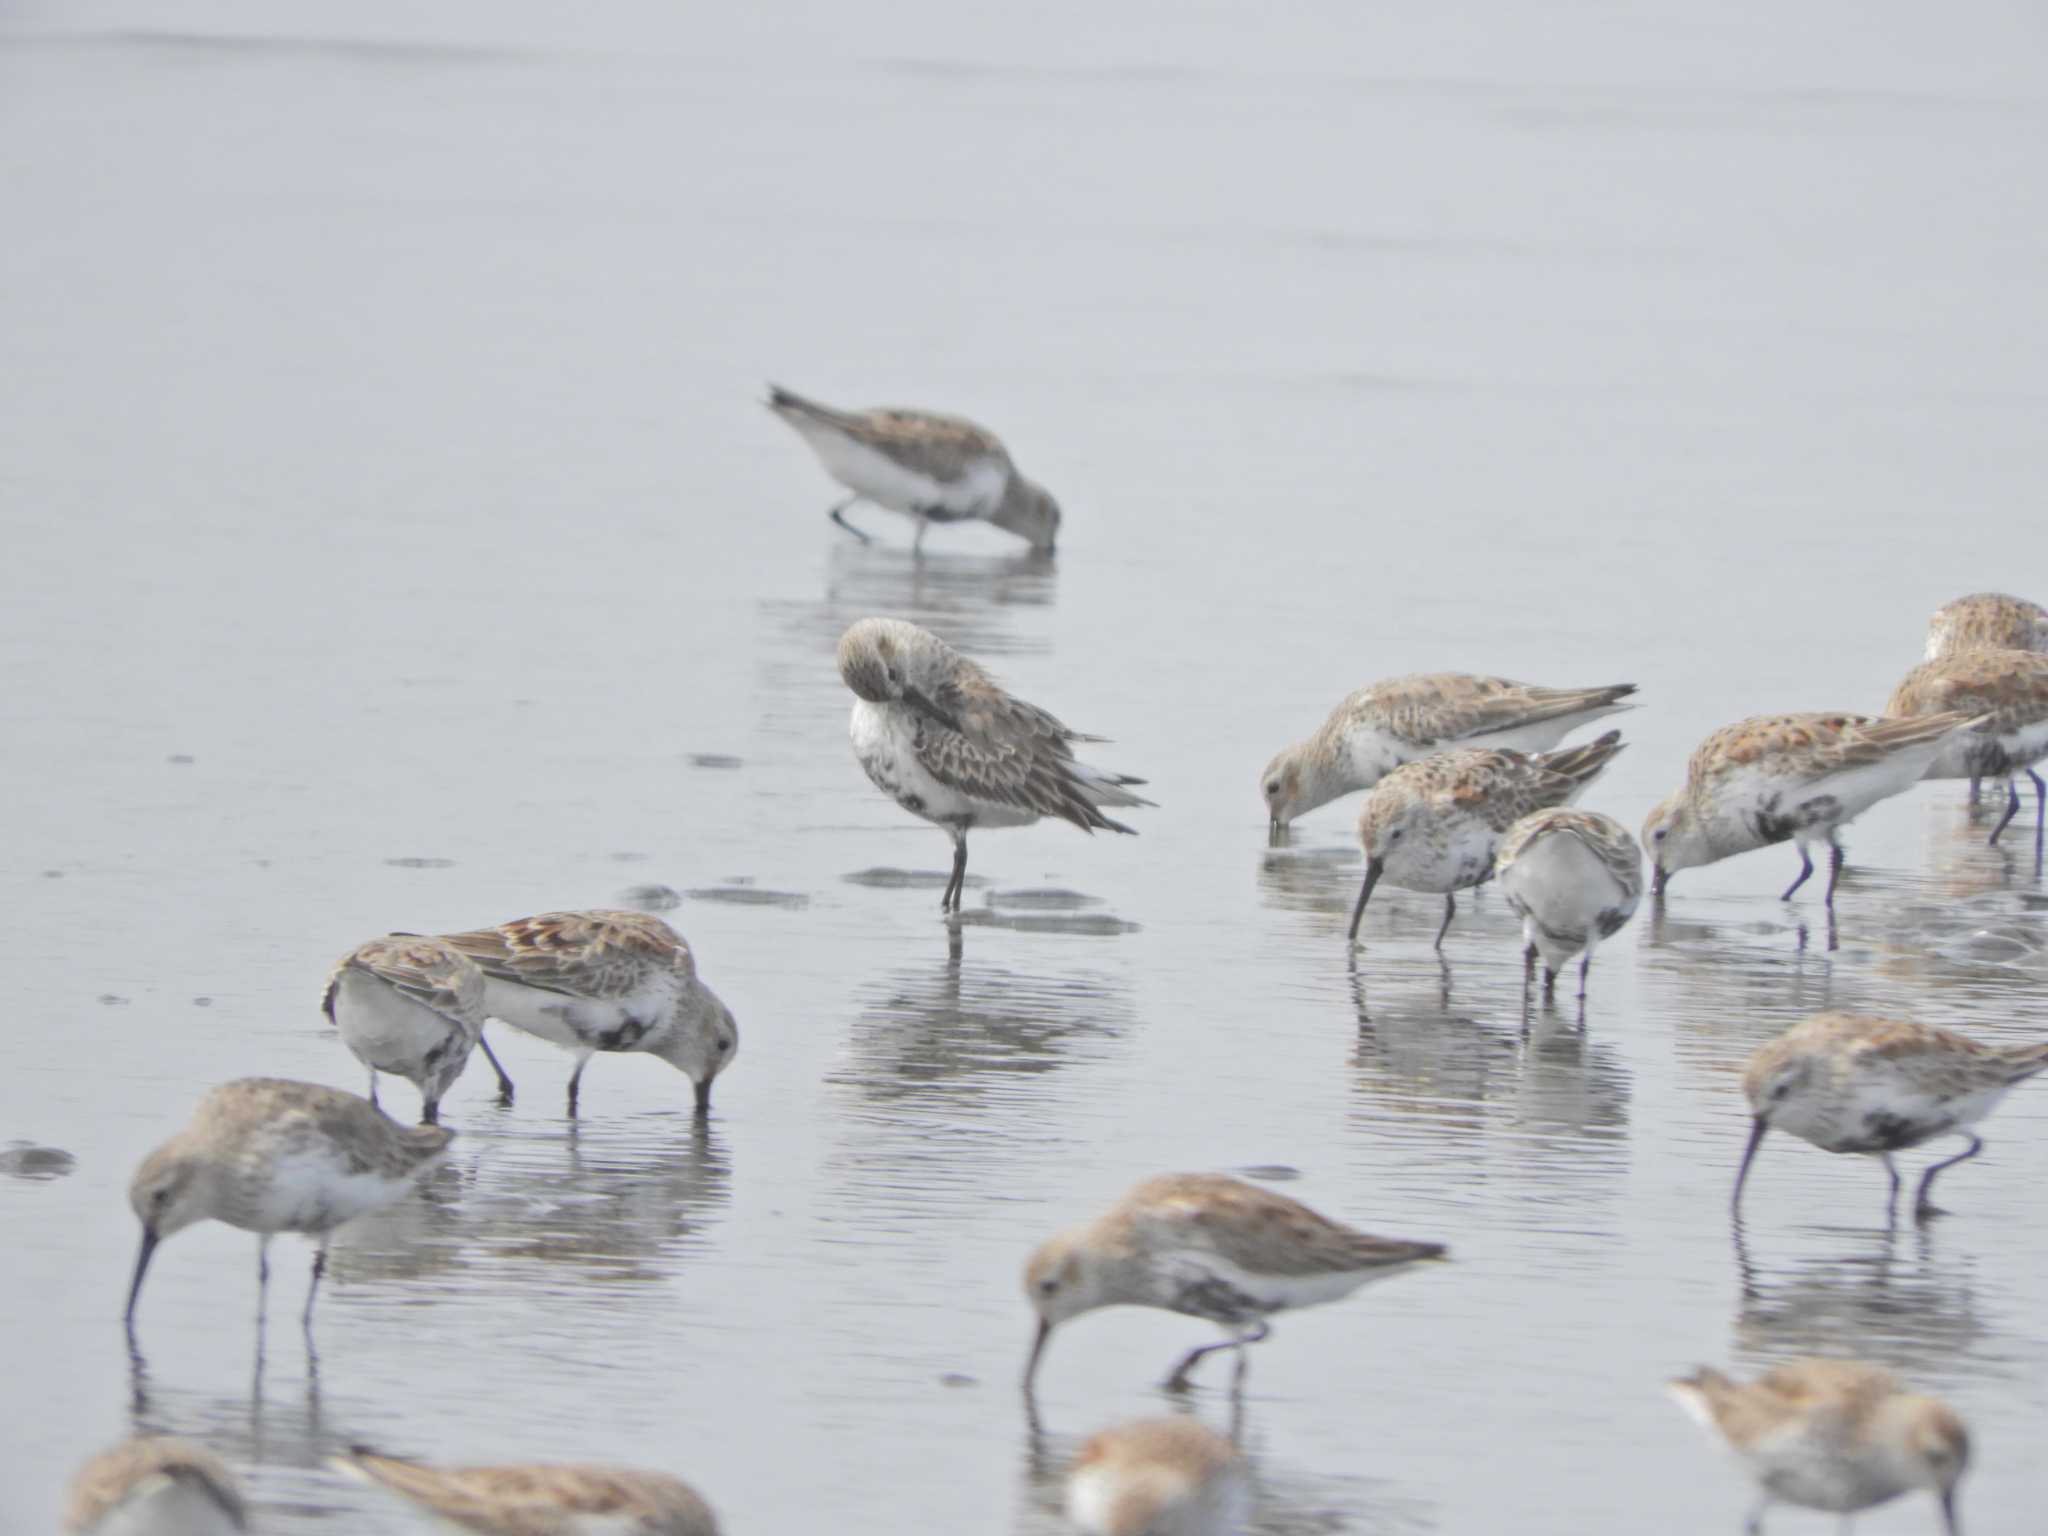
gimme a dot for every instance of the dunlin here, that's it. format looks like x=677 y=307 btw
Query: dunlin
x=1206 y=1246
x=2008 y=686
x=605 y=981
x=1804 y=777
x=414 y=1007
x=155 y=1485
x=931 y=468
x=1435 y=824
x=541 y=1499
x=1158 y=1477
x=1574 y=878
x=270 y=1156
x=1832 y=1434
x=1851 y=1083
x=1987 y=620
x=1386 y=724
x=941 y=738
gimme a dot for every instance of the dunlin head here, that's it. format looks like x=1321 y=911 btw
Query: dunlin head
x=1994 y=620
x=1158 y=1477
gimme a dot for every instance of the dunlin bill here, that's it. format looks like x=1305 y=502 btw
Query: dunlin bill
x=413 y=1007
x=1800 y=777
x=931 y=468
x=1386 y=724
x=605 y=981
x=941 y=738
x=1851 y=1083
x=270 y=1156
x=2011 y=687
x=1574 y=878
x=1158 y=1477
x=1435 y=824
x=1206 y=1246
x=1831 y=1434
x=541 y=1499
x=1987 y=620
x=155 y=1485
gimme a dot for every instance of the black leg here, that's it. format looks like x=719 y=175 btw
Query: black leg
x=1549 y=982
x=950 y=902
x=313 y=1290
x=1922 y=1206
x=504 y=1082
x=1805 y=869
x=262 y=1277
x=1834 y=873
x=576 y=1078
x=1891 y=1199
x=838 y=515
x=2012 y=809
x=1585 y=965
x=2040 y=803
x=430 y=1112
x=1450 y=911
x=1179 y=1382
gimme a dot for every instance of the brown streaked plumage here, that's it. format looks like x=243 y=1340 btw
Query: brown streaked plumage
x=1574 y=878
x=1987 y=620
x=1207 y=1246
x=2010 y=689
x=1856 y=1083
x=541 y=1499
x=1436 y=824
x=413 y=1006
x=156 y=1483
x=1158 y=1477
x=1831 y=1434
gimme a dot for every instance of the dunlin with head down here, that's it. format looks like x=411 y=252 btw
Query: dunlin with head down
x=540 y=1498
x=414 y=1007
x=1575 y=879
x=155 y=1485
x=2009 y=688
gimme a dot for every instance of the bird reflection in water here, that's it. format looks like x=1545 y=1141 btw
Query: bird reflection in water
x=970 y=601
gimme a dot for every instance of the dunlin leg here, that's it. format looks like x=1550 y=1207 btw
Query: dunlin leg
x=1585 y=965
x=838 y=515
x=1450 y=911
x=1178 y=1381
x=1976 y=785
x=1891 y=1199
x=262 y=1277
x=917 y=543
x=1244 y=1359
x=373 y=1089
x=504 y=1082
x=1757 y=1127
x=313 y=1290
x=1754 y=1525
x=2012 y=809
x=1549 y=981
x=430 y=1111
x=1834 y=873
x=2040 y=803
x=1922 y=1206
x=575 y=1078
x=1805 y=869
x=950 y=902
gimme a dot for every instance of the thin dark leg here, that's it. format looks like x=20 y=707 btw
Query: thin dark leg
x=1922 y=1206
x=1976 y=786
x=262 y=1278
x=2040 y=803
x=950 y=902
x=504 y=1082
x=576 y=1078
x=1450 y=911
x=1805 y=869
x=373 y=1089
x=1178 y=1381
x=1549 y=982
x=430 y=1112
x=1585 y=965
x=1528 y=963
x=1891 y=1199
x=2012 y=808
x=319 y=1269
x=838 y=515
x=1834 y=873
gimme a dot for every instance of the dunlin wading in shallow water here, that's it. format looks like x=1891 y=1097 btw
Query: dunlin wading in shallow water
x=1987 y=621
x=1435 y=825
x=1851 y=1083
x=941 y=738
x=1386 y=724
x=414 y=1007
x=605 y=981
x=540 y=1499
x=1833 y=1435
x=1158 y=1477
x=1574 y=878
x=2011 y=688
x=268 y=1155
x=1802 y=778
x=931 y=468
x=155 y=1485
x=1207 y=1246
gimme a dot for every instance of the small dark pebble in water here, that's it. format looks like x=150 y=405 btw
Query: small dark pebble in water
x=202 y=1002
x=905 y=879
x=958 y=1379
x=750 y=896
x=1048 y=899
x=629 y=858
x=113 y=1000
x=713 y=760
x=421 y=863
x=53 y=874
x=179 y=757
x=651 y=898
x=26 y=1160
x=1271 y=1173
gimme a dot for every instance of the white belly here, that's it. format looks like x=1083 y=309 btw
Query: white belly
x=585 y=1023
x=394 y=1033
x=886 y=483
x=882 y=736
x=1560 y=888
x=1459 y=856
x=310 y=1188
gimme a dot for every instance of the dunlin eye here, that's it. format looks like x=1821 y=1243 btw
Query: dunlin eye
x=1273 y=788
x=1395 y=835
x=724 y=1046
x=1047 y=1287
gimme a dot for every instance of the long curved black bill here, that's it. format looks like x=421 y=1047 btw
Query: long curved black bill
x=704 y=1096
x=1037 y=1350
x=1658 y=880
x=1756 y=1137
x=1372 y=878
x=149 y=1241
x=1948 y=1512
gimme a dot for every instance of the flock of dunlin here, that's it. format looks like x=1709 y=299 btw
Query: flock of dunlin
x=1466 y=781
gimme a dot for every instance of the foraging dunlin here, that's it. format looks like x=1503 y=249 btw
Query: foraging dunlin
x=1831 y=1434
x=931 y=468
x=1574 y=878
x=1158 y=1477
x=1386 y=724
x=1987 y=620
x=1206 y=1246
x=605 y=981
x=1435 y=824
x=155 y=1485
x=268 y=1155
x=2008 y=686
x=1851 y=1083
x=540 y=1499
x=1804 y=777
x=941 y=738
x=414 y=1007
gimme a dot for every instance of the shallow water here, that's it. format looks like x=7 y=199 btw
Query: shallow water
x=396 y=541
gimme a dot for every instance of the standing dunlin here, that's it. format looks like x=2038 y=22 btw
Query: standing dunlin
x=1574 y=878
x=941 y=738
x=1851 y=1083
x=414 y=1007
x=155 y=1485
x=270 y=1156
x=1435 y=824
x=1831 y=1434
x=931 y=468
x=1206 y=1246
x=605 y=981
x=540 y=1499
x=1158 y=1477
x=1987 y=620
x=2008 y=686
x=1386 y=724
x=1804 y=777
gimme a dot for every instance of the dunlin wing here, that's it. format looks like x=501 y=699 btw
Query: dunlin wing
x=1808 y=746
x=432 y=973
x=1257 y=1231
x=110 y=1479
x=542 y=1500
x=2010 y=686
x=942 y=448
x=1450 y=706
x=597 y=954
